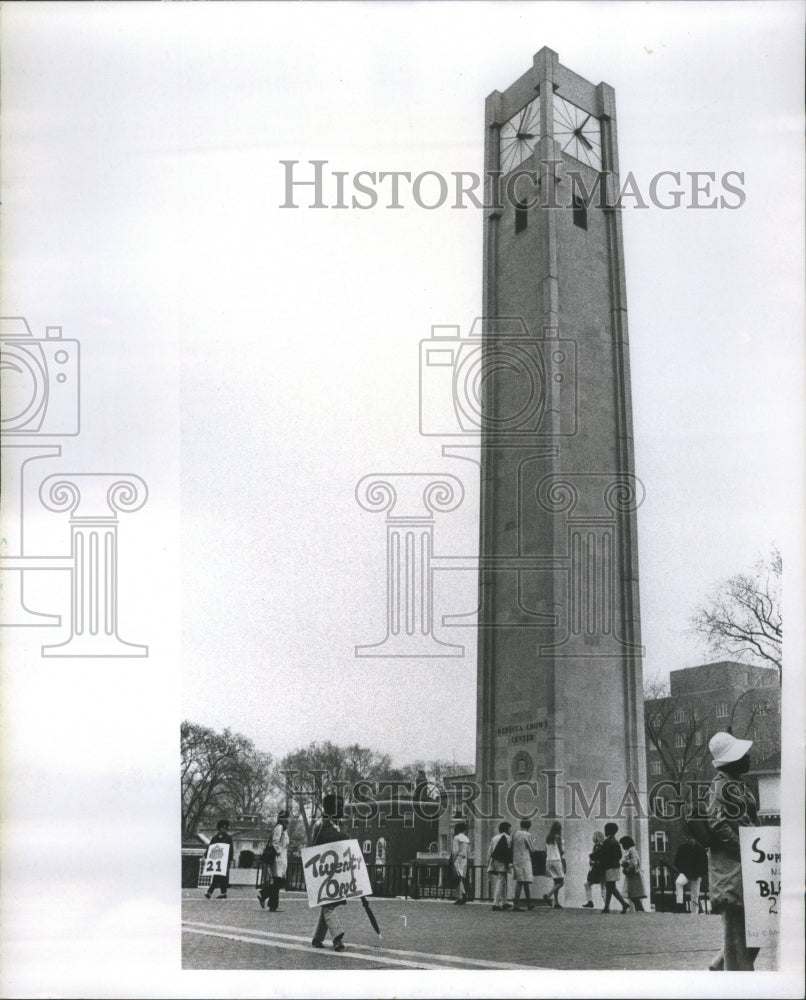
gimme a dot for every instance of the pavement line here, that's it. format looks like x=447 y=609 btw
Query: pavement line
x=431 y=956
x=266 y=943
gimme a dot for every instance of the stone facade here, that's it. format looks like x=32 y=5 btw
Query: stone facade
x=559 y=662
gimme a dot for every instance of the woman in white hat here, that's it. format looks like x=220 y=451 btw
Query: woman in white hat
x=730 y=805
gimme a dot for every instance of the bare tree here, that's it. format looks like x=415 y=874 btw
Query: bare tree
x=678 y=726
x=250 y=784
x=742 y=617
x=214 y=770
x=306 y=774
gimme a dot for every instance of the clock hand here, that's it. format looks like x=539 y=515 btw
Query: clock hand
x=524 y=135
x=582 y=138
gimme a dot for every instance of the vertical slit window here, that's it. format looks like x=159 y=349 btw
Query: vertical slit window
x=521 y=216
x=580 y=211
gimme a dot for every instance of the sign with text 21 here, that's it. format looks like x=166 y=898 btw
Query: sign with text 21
x=334 y=872
x=761 y=880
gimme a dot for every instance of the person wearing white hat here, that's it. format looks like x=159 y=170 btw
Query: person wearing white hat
x=730 y=805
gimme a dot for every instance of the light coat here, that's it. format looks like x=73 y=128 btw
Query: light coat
x=634 y=885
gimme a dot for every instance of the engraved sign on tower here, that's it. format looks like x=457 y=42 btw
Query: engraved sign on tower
x=559 y=663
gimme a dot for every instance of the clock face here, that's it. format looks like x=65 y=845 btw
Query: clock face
x=520 y=135
x=578 y=133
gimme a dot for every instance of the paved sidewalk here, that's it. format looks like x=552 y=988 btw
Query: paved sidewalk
x=236 y=934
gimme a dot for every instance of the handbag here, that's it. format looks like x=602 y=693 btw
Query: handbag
x=269 y=855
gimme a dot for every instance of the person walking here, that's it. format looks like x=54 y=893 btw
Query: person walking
x=499 y=862
x=523 y=846
x=691 y=862
x=327 y=831
x=610 y=859
x=275 y=857
x=730 y=805
x=220 y=882
x=634 y=886
x=596 y=872
x=555 y=863
x=460 y=852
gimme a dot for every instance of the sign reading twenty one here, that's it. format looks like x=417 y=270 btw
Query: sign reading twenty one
x=216 y=860
x=761 y=881
x=334 y=872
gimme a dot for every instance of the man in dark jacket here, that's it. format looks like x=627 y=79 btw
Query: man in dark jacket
x=220 y=882
x=691 y=862
x=327 y=831
x=609 y=859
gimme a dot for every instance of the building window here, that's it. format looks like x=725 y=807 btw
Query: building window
x=681 y=765
x=408 y=820
x=521 y=216
x=680 y=740
x=443 y=838
x=722 y=710
x=660 y=842
x=680 y=715
x=580 y=212
x=655 y=767
x=367 y=848
x=521 y=767
x=699 y=739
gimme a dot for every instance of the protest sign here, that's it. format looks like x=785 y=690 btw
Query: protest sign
x=216 y=859
x=334 y=872
x=761 y=880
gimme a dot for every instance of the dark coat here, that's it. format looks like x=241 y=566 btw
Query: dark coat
x=611 y=853
x=327 y=831
x=691 y=860
x=224 y=838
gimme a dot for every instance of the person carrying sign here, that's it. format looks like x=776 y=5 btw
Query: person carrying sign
x=730 y=805
x=327 y=831
x=275 y=857
x=222 y=864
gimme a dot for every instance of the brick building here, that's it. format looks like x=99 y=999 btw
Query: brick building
x=712 y=697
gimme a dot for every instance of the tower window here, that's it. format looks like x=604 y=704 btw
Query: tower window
x=580 y=212
x=521 y=216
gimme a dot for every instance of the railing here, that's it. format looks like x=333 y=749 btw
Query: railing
x=410 y=881
x=662 y=892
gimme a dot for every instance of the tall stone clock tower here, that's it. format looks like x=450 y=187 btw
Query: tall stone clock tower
x=560 y=709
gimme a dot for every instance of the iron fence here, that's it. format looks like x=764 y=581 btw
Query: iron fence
x=662 y=892
x=409 y=881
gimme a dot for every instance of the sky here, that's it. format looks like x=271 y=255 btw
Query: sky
x=252 y=363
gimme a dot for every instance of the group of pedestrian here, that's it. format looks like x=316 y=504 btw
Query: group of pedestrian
x=609 y=860
x=730 y=806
